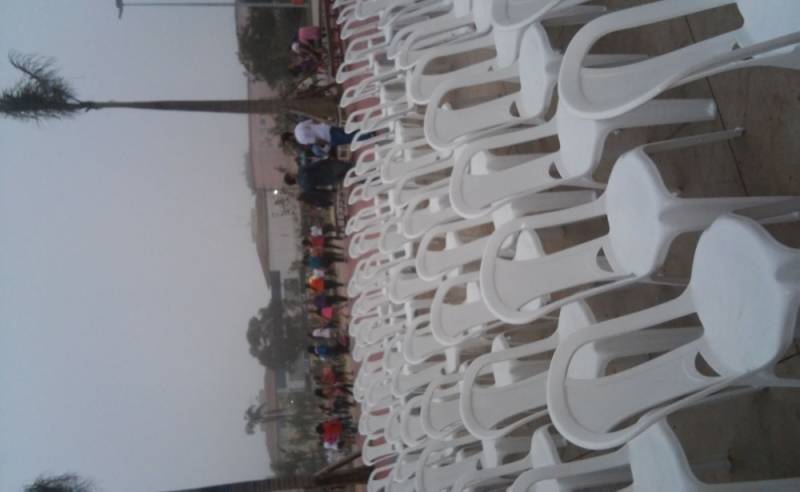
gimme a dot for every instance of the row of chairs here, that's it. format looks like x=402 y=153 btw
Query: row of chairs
x=483 y=366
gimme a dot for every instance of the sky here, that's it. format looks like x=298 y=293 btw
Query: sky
x=127 y=269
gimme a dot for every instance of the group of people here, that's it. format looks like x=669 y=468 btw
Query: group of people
x=320 y=255
x=307 y=54
x=318 y=169
x=337 y=430
x=329 y=343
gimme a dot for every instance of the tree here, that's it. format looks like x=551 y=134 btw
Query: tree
x=258 y=414
x=276 y=338
x=42 y=93
x=264 y=43
x=67 y=482
x=254 y=416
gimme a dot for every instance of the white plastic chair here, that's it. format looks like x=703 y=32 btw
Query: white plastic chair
x=524 y=398
x=536 y=71
x=489 y=30
x=468 y=20
x=388 y=26
x=420 y=182
x=460 y=251
x=503 y=475
x=768 y=37
x=407 y=157
x=426 y=210
x=451 y=322
x=364 y=242
x=376 y=449
x=644 y=218
x=367 y=216
x=377 y=75
x=481 y=180
x=745 y=291
x=653 y=461
x=405 y=284
x=443 y=462
x=403 y=145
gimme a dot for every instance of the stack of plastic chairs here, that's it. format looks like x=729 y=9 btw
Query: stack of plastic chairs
x=481 y=359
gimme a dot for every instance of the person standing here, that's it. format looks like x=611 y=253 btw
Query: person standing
x=318 y=176
x=309 y=132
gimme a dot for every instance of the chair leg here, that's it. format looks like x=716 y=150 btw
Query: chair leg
x=685 y=142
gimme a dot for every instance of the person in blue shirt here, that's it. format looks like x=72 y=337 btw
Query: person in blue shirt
x=326 y=351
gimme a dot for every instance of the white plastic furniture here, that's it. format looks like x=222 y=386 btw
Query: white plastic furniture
x=745 y=291
x=536 y=71
x=653 y=461
x=768 y=37
x=443 y=462
x=481 y=180
x=644 y=218
x=461 y=250
x=524 y=398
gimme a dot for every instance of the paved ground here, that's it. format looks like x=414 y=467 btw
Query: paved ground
x=758 y=433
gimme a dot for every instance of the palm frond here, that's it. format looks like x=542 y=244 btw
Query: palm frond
x=67 y=482
x=41 y=93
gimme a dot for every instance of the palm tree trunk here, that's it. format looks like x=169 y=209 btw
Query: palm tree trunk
x=319 y=107
x=304 y=482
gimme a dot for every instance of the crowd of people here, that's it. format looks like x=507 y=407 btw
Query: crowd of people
x=329 y=343
x=318 y=173
x=314 y=143
x=307 y=52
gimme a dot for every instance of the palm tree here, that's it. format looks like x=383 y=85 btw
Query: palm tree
x=42 y=93
x=257 y=415
x=67 y=482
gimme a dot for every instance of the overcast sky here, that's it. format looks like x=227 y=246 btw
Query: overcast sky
x=127 y=272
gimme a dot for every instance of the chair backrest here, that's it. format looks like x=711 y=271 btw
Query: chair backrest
x=764 y=38
x=748 y=322
x=644 y=218
x=517 y=394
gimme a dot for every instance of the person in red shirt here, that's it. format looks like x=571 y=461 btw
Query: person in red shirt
x=319 y=244
x=331 y=431
x=328 y=375
x=319 y=284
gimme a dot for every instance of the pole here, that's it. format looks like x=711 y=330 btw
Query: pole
x=245 y=3
x=214 y=4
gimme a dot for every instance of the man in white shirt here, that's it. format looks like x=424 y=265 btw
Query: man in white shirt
x=309 y=132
